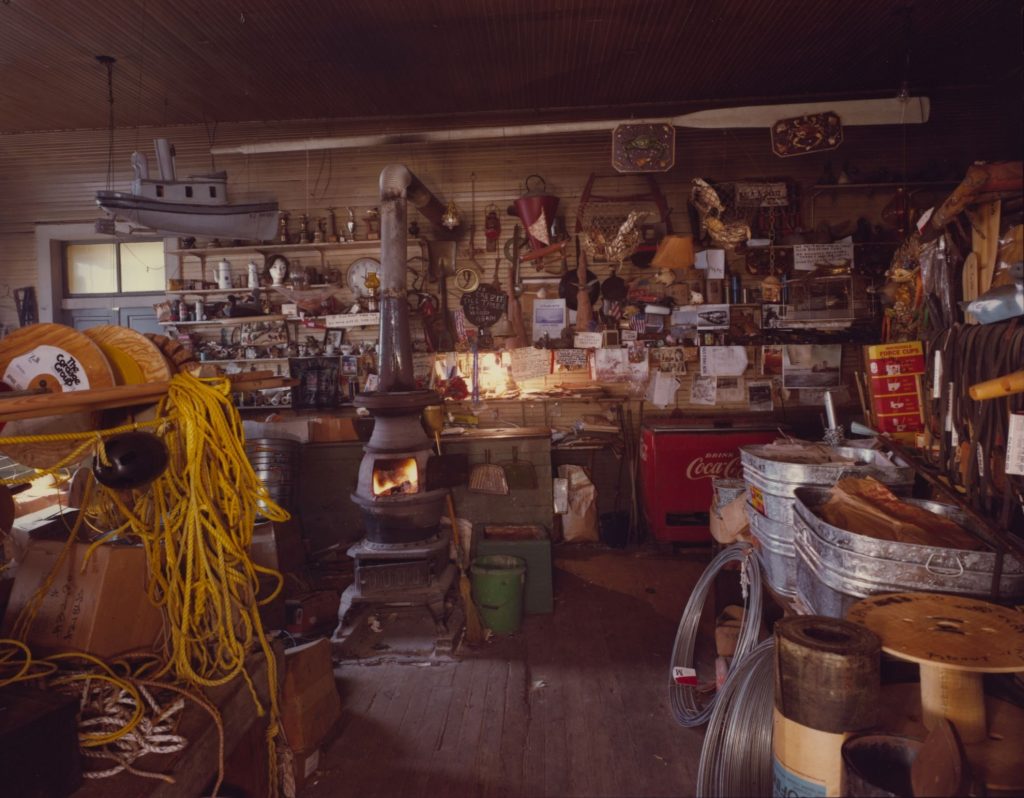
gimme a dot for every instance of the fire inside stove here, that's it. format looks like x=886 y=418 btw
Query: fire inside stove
x=395 y=477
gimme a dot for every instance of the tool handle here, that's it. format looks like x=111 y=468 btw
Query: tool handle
x=1001 y=386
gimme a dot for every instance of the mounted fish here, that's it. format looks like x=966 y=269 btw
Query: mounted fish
x=195 y=206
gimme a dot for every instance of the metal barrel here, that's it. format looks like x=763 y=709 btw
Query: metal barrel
x=771 y=489
x=276 y=463
x=837 y=567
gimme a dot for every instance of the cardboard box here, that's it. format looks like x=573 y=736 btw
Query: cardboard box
x=101 y=609
x=278 y=545
x=310 y=704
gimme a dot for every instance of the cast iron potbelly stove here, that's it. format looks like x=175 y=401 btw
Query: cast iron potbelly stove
x=403 y=560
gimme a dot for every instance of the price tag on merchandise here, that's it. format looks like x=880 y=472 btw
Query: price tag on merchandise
x=684 y=676
x=1015 y=445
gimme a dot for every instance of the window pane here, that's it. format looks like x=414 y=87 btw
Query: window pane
x=91 y=269
x=142 y=267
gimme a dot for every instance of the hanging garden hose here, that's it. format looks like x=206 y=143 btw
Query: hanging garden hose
x=682 y=673
x=736 y=758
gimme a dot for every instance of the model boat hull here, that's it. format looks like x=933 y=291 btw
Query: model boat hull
x=253 y=221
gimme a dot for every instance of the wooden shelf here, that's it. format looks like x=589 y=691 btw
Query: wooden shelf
x=214 y=322
x=247 y=360
x=869 y=186
x=283 y=249
x=210 y=291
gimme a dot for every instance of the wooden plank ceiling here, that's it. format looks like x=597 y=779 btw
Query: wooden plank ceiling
x=191 y=61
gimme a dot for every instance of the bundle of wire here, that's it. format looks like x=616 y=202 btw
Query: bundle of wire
x=196 y=522
x=683 y=694
x=737 y=755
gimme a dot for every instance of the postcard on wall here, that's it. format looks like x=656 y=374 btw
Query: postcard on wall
x=704 y=390
x=759 y=396
x=684 y=316
x=548 y=318
x=811 y=365
x=661 y=390
x=723 y=361
x=588 y=340
x=712 y=317
x=669 y=359
x=773 y=317
x=730 y=390
x=771 y=360
x=627 y=364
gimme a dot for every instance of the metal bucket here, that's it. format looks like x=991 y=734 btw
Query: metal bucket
x=276 y=463
x=775 y=552
x=836 y=567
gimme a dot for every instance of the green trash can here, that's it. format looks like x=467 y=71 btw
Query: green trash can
x=498 y=581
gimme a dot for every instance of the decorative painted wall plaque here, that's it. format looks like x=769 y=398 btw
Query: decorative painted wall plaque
x=803 y=134
x=647 y=147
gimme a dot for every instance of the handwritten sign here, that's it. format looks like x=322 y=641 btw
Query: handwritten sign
x=571 y=359
x=807 y=256
x=342 y=321
x=528 y=362
x=484 y=306
x=588 y=340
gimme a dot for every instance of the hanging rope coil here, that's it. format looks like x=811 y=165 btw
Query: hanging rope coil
x=682 y=674
x=736 y=758
x=195 y=522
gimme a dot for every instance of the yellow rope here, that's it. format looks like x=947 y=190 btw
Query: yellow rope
x=195 y=522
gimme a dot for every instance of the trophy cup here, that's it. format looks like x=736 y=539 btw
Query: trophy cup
x=350 y=225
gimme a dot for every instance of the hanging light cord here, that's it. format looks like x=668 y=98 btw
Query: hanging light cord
x=108 y=61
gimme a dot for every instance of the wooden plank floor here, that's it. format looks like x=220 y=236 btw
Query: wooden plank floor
x=575 y=705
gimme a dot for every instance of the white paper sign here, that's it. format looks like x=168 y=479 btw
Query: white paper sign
x=661 y=390
x=716 y=264
x=587 y=340
x=704 y=391
x=723 y=361
x=346 y=320
x=807 y=256
x=1015 y=445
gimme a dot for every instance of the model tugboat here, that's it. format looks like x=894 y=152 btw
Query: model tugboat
x=195 y=206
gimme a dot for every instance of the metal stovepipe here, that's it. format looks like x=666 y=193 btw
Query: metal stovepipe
x=398 y=187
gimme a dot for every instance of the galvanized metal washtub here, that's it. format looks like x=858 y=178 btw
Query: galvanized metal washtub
x=837 y=567
x=771 y=488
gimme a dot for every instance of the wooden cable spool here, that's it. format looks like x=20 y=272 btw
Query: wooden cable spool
x=60 y=360
x=826 y=685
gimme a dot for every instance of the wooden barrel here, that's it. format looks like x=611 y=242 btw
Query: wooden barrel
x=826 y=685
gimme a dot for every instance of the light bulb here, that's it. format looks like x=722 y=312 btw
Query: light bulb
x=451 y=219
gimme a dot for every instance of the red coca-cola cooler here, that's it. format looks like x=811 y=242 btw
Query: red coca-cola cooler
x=678 y=460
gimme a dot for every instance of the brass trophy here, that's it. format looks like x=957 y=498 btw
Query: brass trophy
x=282 y=229
x=350 y=225
x=320 y=234
x=304 y=229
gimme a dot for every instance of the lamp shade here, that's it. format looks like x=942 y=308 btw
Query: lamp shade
x=674 y=252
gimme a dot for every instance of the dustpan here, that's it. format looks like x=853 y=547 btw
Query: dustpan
x=487 y=477
x=520 y=475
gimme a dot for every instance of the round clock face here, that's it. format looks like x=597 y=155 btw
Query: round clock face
x=357 y=273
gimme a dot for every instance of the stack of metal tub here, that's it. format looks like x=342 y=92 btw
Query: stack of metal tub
x=771 y=488
x=837 y=567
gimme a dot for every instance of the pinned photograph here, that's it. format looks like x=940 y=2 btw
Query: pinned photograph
x=704 y=391
x=811 y=365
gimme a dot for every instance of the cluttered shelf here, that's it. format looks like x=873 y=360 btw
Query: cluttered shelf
x=228 y=320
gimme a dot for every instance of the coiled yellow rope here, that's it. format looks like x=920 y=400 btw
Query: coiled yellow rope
x=196 y=523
